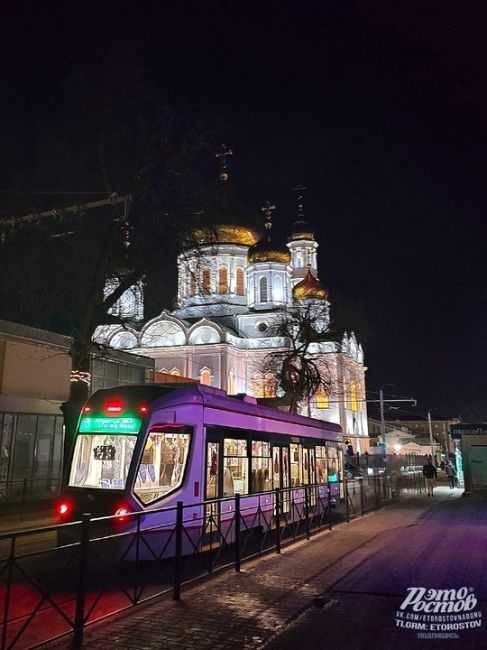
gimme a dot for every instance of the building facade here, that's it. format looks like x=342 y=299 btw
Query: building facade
x=234 y=288
x=35 y=368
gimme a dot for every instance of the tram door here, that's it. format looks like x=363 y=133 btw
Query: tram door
x=312 y=477
x=280 y=473
x=213 y=486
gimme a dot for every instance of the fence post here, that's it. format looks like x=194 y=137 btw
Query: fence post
x=178 y=551
x=347 y=504
x=79 y=617
x=237 y=532
x=6 y=607
x=278 y=521
x=362 y=500
x=306 y=510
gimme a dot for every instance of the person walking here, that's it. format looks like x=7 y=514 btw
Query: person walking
x=452 y=475
x=429 y=473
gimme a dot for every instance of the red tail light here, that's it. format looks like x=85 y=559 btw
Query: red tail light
x=87 y=409
x=63 y=508
x=143 y=410
x=113 y=407
x=121 y=513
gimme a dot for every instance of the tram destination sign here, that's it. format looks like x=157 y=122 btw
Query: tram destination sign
x=459 y=430
x=109 y=425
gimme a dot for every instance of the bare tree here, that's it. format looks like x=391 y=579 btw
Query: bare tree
x=301 y=367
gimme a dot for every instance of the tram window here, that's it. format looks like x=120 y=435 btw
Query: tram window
x=296 y=464
x=162 y=465
x=332 y=463
x=235 y=463
x=212 y=473
x=101 y=461
x=305 y=472
x=321 y=465
x=261 y=466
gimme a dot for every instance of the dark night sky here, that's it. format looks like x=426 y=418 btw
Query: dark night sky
x=378 y=107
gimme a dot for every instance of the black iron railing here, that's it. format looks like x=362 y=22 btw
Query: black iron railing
x=56 y=580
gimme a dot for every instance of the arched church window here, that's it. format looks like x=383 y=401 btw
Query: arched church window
x=263 y=289
x=277 y=290
x=258 y=384
x=269 y=385
x=194 y=288
x=206 y=281
x=240 y=282
x=299 y=260
x=223 y=280
x=322 y=401
x=205 y=377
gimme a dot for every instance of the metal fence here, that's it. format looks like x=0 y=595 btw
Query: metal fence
x=19 y=495
x=56 y=580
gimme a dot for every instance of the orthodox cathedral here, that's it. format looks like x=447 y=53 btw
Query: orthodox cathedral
x=233 y=288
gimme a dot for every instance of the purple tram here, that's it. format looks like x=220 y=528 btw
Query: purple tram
x=144 y=448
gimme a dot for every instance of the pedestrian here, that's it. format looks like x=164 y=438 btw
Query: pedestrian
x=451 y=473
x=429 y=473
x=442 y=465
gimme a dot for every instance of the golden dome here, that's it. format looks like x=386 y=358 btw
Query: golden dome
x=225 y=234
x=302 y=230
x=266 y=251
x=310 y=289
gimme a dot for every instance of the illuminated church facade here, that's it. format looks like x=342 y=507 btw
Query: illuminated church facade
x=233 y=288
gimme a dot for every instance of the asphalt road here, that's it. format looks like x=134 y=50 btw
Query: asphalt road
x=444 y=548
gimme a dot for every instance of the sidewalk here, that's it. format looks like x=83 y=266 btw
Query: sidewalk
x=249 y=609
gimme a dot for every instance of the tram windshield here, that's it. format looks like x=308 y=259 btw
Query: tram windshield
x=101 y=461
x=161 y=468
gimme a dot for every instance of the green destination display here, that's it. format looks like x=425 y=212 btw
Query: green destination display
x=111 y=425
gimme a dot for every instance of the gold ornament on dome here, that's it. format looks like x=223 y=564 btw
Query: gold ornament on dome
x=225 y=234
x=310 y=289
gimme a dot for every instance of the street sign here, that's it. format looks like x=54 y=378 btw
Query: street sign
x=459 y=430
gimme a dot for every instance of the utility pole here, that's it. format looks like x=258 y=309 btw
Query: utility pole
x=382 y=418
x=431 y=436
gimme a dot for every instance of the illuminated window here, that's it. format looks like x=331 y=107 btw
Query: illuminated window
x=322 y=401
x=223 y=280
x=235 y=479
x=240 y=282
x=263 y=289
x=193 y=285
x=269 y=385
x=205 y=377
x=258 y=384
x=354 y=396
x=206 y=281
x=261 y=466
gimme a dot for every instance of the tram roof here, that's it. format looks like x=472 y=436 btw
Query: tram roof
x=178 y=394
